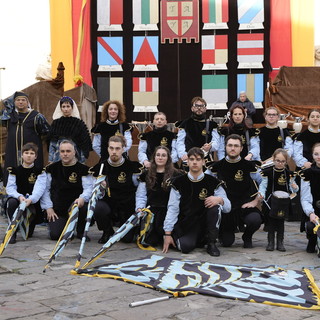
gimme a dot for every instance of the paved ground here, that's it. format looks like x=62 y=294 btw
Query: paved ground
x=28 y=293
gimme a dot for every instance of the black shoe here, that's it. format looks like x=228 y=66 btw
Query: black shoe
x=105 y=237
x=13 y=239
x=213 y=250
x=247 y=242
x=311 y=247
x=80 y=236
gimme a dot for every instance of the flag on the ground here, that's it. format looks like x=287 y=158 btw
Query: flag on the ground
x=179 y=20
x=66 y=234
x=250 y=14
x=109 y=15
x=215 y=90
x=214 y=52
x=252 y=84
x=145 y=53
x=145 y=14
x=145 y=91
x=215 y=14
x=269 y=285
x=109 y=88
x=250 y=50
x=110 y=53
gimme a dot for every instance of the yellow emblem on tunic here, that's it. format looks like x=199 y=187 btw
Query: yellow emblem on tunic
x=281 y=213
x=203 y=194
x=32 y=178
x=279 y=139
x=282 y=180
x=122 y=177
x=243 y=138
x=73 y=177
x=118 y=133
x=164 y=142
x=204 y=132
x=239 y=175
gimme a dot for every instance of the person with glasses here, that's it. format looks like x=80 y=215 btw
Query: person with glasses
x=272 y=137
x=197 y=131
x=241 y=179
x=274 y=179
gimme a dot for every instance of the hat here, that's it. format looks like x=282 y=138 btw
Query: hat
x=66 y=99
x=18 y=94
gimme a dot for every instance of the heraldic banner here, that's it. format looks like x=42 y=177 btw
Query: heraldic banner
x=269 y=285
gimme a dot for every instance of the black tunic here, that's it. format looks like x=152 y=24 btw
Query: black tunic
x=308 y=139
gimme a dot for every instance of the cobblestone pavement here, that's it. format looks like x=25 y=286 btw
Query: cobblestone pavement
x=28 y=293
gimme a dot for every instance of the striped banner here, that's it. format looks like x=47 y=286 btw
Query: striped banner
x=215 y=91
x=250 y=14
x=109 y=89
x=145 y=53
x=215 y=14
x=110 y=53
x=145 y=94
x=109 y=15
x=145 y=14
x=214 y=52
x=252 y=84
x=250 y=50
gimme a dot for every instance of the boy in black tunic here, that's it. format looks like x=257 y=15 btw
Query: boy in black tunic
x=26 y=183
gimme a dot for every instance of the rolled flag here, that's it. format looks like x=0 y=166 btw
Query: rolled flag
x=316 y=230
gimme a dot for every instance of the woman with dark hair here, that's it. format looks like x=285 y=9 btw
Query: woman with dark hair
x=154 y=189
x=112 y=123
x=310 y=198
x=237 y=125
x=304 y=141
x=68 y=125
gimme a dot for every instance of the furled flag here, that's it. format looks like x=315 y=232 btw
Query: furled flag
x=269 y=285
x=250 y=14
x=250 y=50
x=110 y=53
x=179 y=20
x=145 y=94
x=145 y=53
x=215 y=91
x=109 y=88
x=214 y=52
x=215 y=14
x=145 y=14
x=252 y=84
x=109 y=15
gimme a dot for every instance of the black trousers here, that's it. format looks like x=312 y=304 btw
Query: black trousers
x=56 y=227
x=195 y=236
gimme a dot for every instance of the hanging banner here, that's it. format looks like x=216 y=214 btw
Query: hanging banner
x=109 y=15
x=145 y=94
x=215 y=14
x=180 y=21
x=110 y=53
x=145 y=53
x=109 y=89
x=250 y=50
x=145 y=14
x=215 y=91
x=214 y=52
x=250 y=14
x=252 y=85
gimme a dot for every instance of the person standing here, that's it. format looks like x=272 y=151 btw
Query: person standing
x=113 y=117
x=194 y=208
x=240 y=177
x=68 y=182
x=23 y=125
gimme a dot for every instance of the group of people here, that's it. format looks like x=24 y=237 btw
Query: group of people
x=202 y=183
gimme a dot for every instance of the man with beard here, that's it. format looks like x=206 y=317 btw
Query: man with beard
x=194 y=208
x=240 y=176
x=122 y=181
x=197 y=131
x=159 y=136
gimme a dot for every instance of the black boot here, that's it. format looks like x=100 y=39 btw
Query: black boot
x=13 y=239
x=211 y=247
x=280 y=246
x=270 y=246
x=311 y=247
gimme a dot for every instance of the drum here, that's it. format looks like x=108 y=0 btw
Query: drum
x=280 y=204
